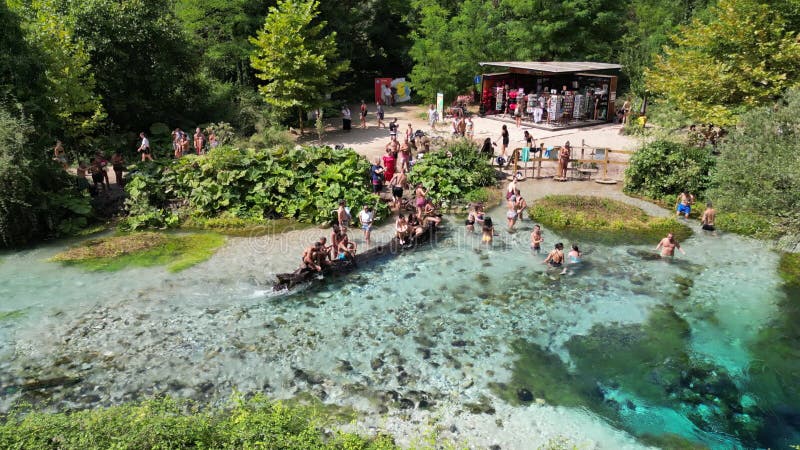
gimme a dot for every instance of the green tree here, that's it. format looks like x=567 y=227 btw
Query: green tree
x=663 y=169
x=38 y=198
x=758 y=170
x=21 y=67
x=141 y=59
x=744 y=55
x=70 y=83
x=297 y=62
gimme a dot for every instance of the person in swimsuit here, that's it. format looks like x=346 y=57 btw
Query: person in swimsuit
x=574 y=255
x=199 y=141
x=415 y=227
x=511 y=217
x=409 y=133
x=366 y=217
x=668 y=246
x=60 y=155
x=419 y=202
x=336 y=236
x=707 y=220
x=488 y=230
x=470 y=128
x=529 y=141
x=505 y=140
x=429 y=215
x=536 y=239
x=520 y=204
x=396 y=183
x=324 y=252
x=363 y=115
x=563 y=160
x=401 y=229
x=347 y=249
x=343 y=216
x=556 y=257
x=471 y=218
x=310 y=257
x=684 y=206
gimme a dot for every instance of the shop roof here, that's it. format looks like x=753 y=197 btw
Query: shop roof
x=553 y=66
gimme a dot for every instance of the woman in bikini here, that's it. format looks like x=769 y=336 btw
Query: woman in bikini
x=488 y=230
x=401 y=229
x=556 y=257
x=419 y=202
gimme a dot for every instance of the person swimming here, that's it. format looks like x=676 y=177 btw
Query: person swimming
x=556 y=257
x=536 y=238
x=574 y=255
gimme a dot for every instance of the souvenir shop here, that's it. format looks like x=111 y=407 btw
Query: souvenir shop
x=551 y=95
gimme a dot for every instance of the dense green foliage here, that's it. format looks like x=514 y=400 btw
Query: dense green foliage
x=296 y=61
x=662 y=169
x=603 y=220
x=37 y=198
x=304 y=184
x=450 y=39
x=453 y=172
x=744 y=55
x=758 y=170
x=168 y=423
x=177 y=252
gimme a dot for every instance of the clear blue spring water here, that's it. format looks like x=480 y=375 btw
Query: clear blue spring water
x=436 y=325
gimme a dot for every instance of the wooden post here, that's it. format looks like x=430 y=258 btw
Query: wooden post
x=605 y=164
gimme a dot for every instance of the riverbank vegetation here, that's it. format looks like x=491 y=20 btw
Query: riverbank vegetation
x=254 y=422
x=457 y=172
x=602 y=219
x=177 y=252
x=249 y=186
x=752 y=182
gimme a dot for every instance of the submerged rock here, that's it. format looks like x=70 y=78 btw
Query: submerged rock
x=524 y=395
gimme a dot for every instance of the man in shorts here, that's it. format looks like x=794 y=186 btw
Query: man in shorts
x=707 y=221
x=684 y=207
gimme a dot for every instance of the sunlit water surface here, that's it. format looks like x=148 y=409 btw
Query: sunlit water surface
x=412 y=340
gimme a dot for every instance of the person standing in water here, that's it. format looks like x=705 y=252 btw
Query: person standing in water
x=668 y=246
x=366 y=217
x=488 y=230
x=684 y=206
x=707 y=220
x=536 y=239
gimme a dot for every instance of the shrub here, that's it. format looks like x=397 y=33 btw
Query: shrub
x=304 y=184
x=170 y=423
x=665 y=168
x=453 y=172
x=758 y=171
x=38 y=199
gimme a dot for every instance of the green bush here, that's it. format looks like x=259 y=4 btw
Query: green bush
x=745 y=223
x=167 y=423
x=665 y=168
x=38 y=199
x=758 y=171
x=453 y=173
x=304 y=184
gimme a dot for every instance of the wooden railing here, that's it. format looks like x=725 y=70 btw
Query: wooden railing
x=583 y=164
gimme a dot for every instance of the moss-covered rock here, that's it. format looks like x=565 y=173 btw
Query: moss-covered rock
x=177 y=252
x=603 y=220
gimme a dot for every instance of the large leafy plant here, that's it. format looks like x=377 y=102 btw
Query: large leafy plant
x=664 y=168
x=305 y=184
x=453 y=172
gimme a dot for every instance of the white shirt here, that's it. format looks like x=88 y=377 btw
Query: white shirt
x=365 y=217
x=346 y=113
x=145 y=143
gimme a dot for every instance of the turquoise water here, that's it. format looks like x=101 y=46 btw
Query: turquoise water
x=448 y=335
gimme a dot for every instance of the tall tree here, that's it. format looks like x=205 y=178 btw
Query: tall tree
x=744 y=55
x=140 y=56
x=295 y=59
x=69 y=80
